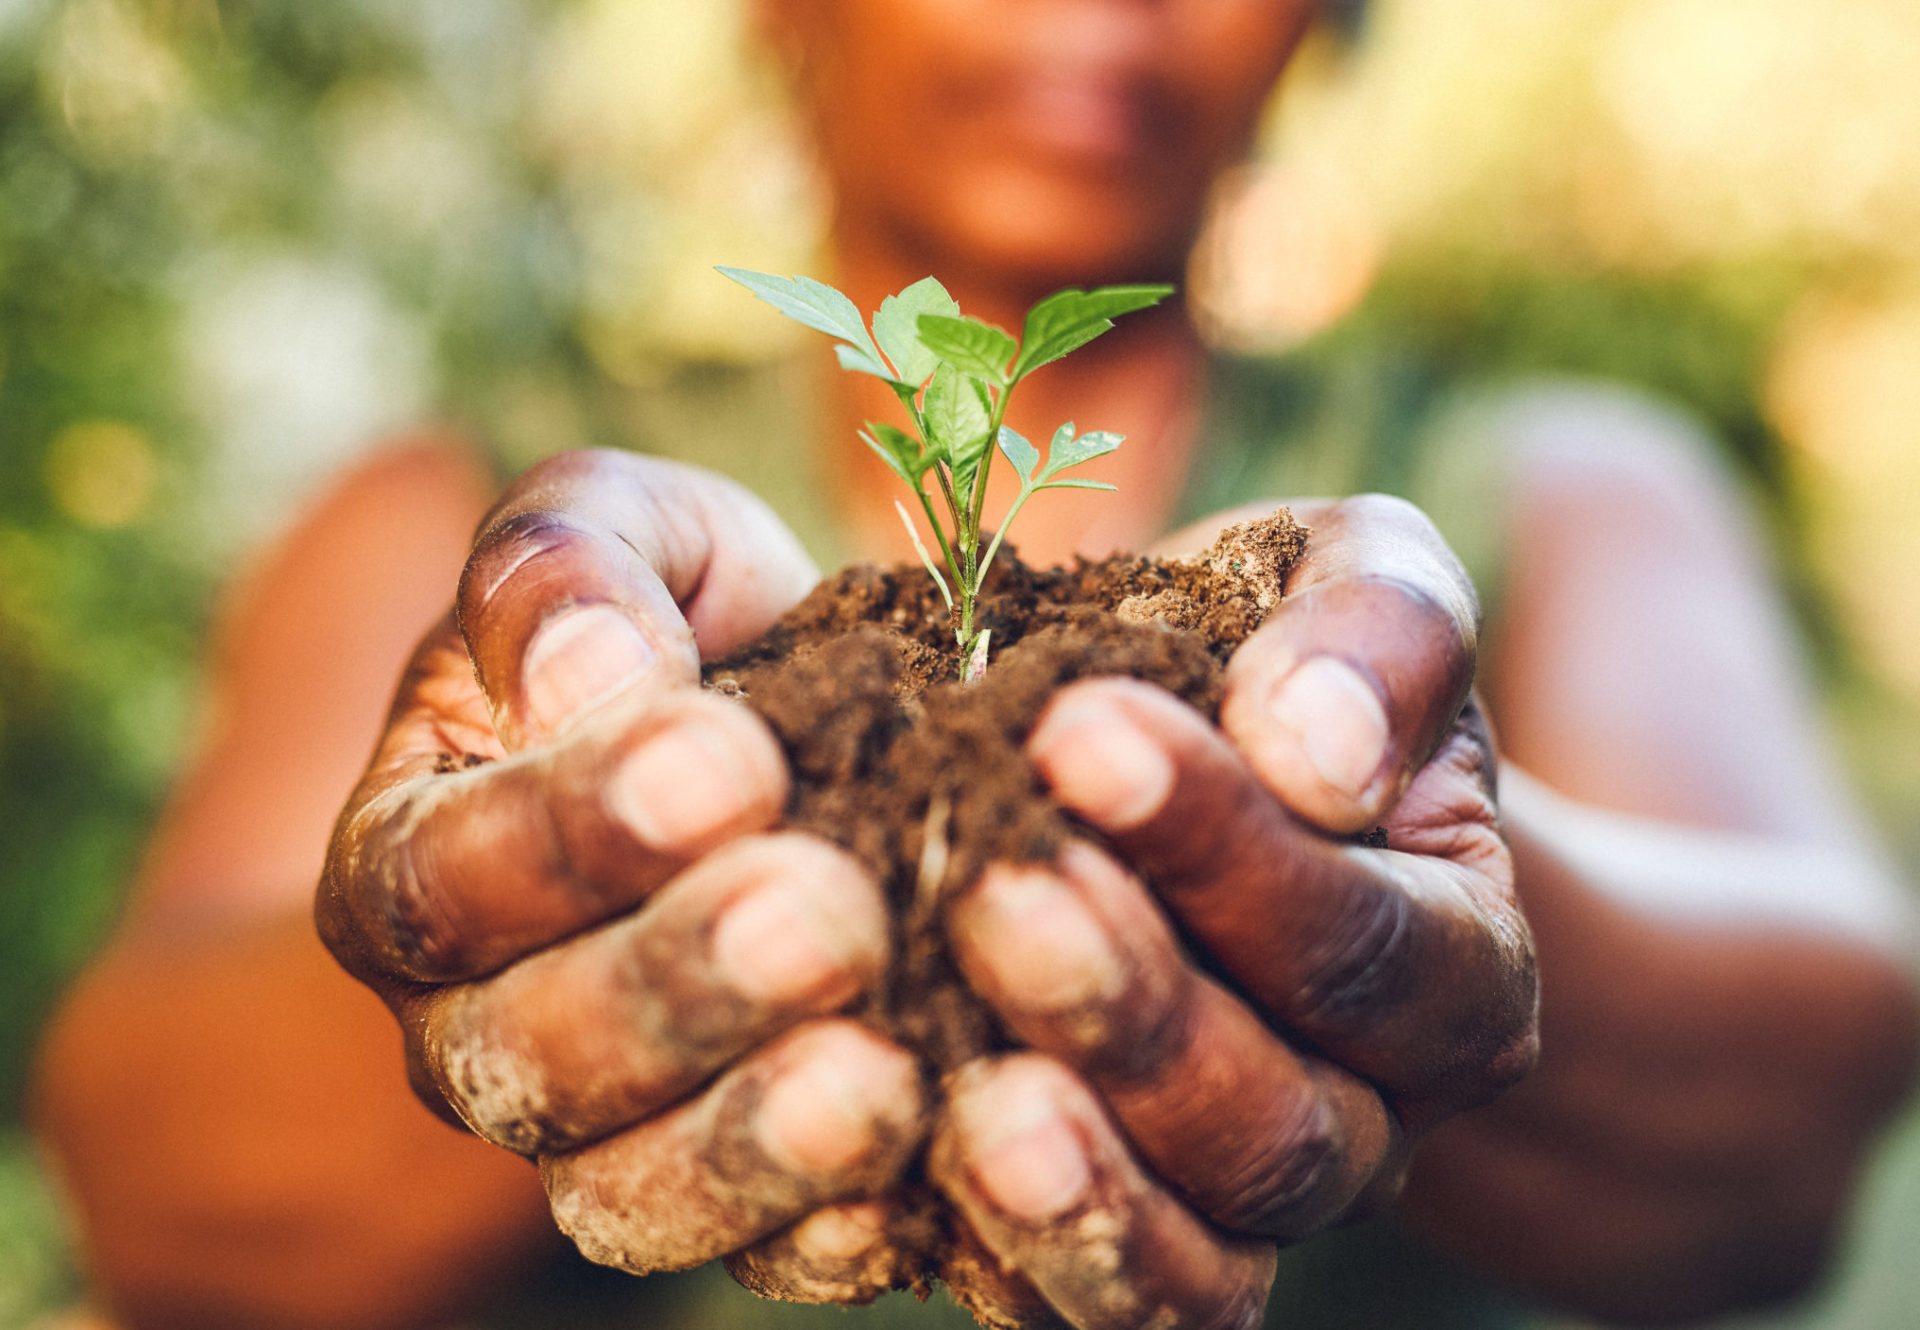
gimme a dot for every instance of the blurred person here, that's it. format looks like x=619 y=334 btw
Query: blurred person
x=1725 y=1020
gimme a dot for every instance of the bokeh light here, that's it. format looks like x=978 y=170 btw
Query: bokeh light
x=102 y=473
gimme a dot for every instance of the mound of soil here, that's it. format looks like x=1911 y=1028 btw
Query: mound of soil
x=924 y=779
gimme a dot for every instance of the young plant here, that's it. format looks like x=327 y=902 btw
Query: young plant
x=954 y=376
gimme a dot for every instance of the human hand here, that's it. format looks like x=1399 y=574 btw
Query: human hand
x=1170 y=1124
x=560 y=876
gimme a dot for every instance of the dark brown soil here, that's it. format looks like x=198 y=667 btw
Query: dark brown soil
x=924 y=778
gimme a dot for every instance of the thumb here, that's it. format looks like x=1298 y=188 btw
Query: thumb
x=602 y=573
x=1347 y=689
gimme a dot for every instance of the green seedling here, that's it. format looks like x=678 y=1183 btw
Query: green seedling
x=954 y=376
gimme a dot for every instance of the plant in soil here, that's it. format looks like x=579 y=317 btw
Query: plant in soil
x=906 y=751
x=954 y=376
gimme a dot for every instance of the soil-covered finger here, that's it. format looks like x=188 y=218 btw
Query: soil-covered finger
x=601 y=572
x=1354 y=679
x=829 y=1113
x=449 y=876
x=1026 y=1154
x=1081 y=965
x=592 y=1035
x=845 y=1253
x=1410 y=965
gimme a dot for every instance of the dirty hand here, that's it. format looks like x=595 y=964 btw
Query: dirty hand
x=558 y=873
x=1175 y=1119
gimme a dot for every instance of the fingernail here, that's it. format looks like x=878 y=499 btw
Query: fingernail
x=580 y=659
x=1028 y=1160
x=794 y=939
x=819 y=1117
x=682 y=786
x=1101 y=764
x=1043 y=947
x=1336 y=719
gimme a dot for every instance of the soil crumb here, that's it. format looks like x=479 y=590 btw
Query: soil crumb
x=925 y=780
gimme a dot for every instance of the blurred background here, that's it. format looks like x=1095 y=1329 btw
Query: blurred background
x=241 y=239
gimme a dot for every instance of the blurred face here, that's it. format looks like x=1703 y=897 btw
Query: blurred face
x=1035 y=141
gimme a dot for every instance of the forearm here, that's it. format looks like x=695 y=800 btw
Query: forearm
x=227 y=1113
x=1725 y=1024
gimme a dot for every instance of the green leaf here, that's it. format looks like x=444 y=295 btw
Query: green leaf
x=893 y=463
x=899 y=450
x=977 y=348
x=1023 y=455
x=1068 y=320
x=1075 y=483
x=957 y=419
x=1066 y=450
x=819 y=307
x=861 y=361
x=896 y=328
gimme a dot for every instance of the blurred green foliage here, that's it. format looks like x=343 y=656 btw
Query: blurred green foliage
x=138 y=145
x=97 y=628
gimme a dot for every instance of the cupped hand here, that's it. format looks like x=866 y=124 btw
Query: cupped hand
x=1190 y=1099
x=562 y=875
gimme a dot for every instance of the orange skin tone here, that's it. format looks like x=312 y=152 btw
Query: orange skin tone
x=1743 y=1025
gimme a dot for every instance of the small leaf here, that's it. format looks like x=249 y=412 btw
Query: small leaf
x=899 y=449
x=1067 y=320
x=1024 y=456
x=815 y=304
x=861 y=361
x=1075 y=483
x=977 y=348
x=892 y=462
x=1067 y=451
x=896 y=328
x=957 y=419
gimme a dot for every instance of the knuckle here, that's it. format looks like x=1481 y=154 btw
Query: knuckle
x=1281 y=1191
x=421 y=922
x=1355 y=969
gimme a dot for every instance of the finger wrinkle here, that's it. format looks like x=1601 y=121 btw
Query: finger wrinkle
x=399 y=872
x=1355 y=972
x=1279 y=1191
x=1160 y=1024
